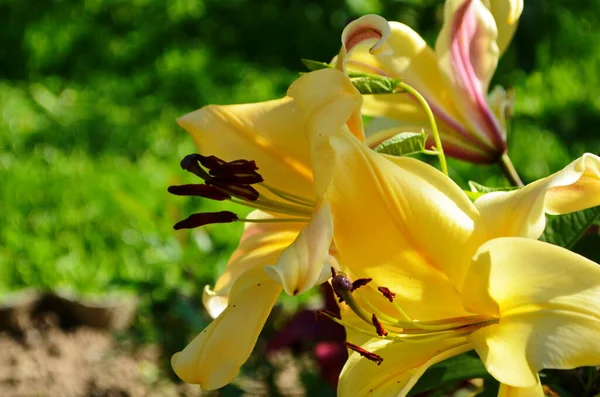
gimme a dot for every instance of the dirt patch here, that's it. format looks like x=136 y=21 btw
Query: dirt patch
x=41 y=358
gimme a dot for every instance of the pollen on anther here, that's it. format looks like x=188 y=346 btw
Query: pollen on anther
x=356 y=284
x=326 y=314
x=365 y=353
x=378 y=326
x=389 y=295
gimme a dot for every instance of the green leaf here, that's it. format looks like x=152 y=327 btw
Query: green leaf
x=465 y=366
x=566 y=230
x=368 y=85
x=315 y=65
x=403 y=144
x=476 y=187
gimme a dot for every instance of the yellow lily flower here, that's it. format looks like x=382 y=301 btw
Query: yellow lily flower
x=446 y=275
x=454 y=77
x=287 y=242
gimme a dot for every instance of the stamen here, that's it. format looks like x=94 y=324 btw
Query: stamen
x=245 y=192
x=389 y=295
x=234 y=167
x=272 y=220
x=196 y=220
x=289 y=196
x=236 y=179
x=190 y=163
x=378 y=326
x=365 y=353
x=209 y=162
x=326 y=314
x=356 y=284
x=210 y=192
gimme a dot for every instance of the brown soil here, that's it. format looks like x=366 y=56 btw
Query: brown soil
x=39 y=359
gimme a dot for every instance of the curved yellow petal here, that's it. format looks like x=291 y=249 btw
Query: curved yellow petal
x=402 y=223
x=521 y=212
x=365 y=28
x=468 y=55
x=304 y=263
x=214 y=357
x=329 y=104
x=506 y=13
x=584 y=193
x=402 y=365
x=510 y=391
x=271 y=133
x=547 y=300
x=260 y=245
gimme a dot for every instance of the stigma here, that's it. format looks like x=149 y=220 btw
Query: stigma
x=399 y=327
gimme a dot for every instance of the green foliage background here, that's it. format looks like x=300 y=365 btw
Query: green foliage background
x=89 y=94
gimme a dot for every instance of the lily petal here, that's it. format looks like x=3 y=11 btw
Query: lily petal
x=506 y=13
x=547 y=300
x=270 y=133
x=419 y=221
x=521 y=212
x=584 y=193
x=402 y=365
x=468 y=55
x=304 y=263
x=363 y=29
x=214 y=357
x=260 y=245
x=329 y=103
x=509 y=391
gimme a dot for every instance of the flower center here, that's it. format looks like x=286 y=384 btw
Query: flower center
x=400 y=328
x=235 y=181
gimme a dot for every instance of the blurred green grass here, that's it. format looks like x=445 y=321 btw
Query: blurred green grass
x=89 y=94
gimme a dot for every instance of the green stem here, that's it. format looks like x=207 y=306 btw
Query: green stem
x=430 y=117
x=509 y=170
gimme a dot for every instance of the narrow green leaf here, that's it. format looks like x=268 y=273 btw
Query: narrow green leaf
x=368 y=85
x=566 y=230
x=465 y=366
x=403 y=144
x=315 y=65
x=476 y=187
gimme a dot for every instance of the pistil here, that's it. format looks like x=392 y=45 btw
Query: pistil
x=404 y=328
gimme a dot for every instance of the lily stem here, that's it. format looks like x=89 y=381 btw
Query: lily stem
x=431 y=118
x=509 y=170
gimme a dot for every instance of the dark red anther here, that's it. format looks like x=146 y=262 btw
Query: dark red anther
x=378 y=326
x=365 y=353
x=236 y=179
x=190 y=163
x=333 y=272
x=210 y=192
x=326 y=314
x=235 y=167
x=246 y=192
x=210 y=162
x=196 y=220
x=359 y=283
x=389 y=295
